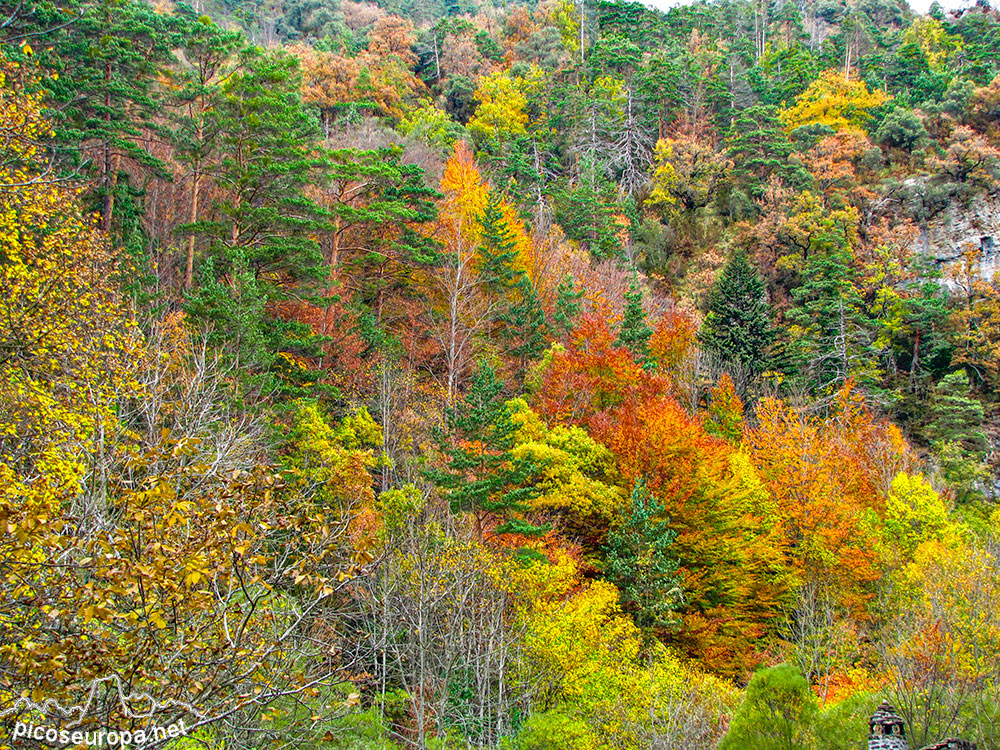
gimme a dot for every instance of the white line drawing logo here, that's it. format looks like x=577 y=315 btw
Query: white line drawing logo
x=128 y=702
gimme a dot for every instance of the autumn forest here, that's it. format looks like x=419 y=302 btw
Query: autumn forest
x=508 y=374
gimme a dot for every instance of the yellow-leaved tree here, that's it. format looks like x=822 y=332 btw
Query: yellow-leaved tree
x=503 y=104
x=835 y=101
x=146 y=537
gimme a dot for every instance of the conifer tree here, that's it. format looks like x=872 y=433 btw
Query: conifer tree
x=208 y=50
x=957 y=439
x=497 y=253
x=567 y=304
x=832 y=321
x=760 y=148
x=513 y=311
x=638 y=561
x=260 y=238
x=956 y=415
x=107 y=61
x=377 y=202
x=738 y=325
x=482 y=476
x=635 y=333
x=526 y=327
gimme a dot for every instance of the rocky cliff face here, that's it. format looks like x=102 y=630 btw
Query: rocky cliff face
x=958 y=229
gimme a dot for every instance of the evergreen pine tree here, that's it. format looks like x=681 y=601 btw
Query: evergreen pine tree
x=515 y=315
x=634 y=333
x=638 y=561
x=107 y=62
x=209 y=50
x=497 y=253
x=385 y=201
x=738 y=325
x=262 y=231
x=760 y=148
x=482 y=476
x=956 y=415
x=832 y=323
x=957 y=439
x=567 y=304
x=526 y=328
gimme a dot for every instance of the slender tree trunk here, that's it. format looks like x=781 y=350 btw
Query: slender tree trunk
x=106 y=167
x=437 y=59
x=192 y=218
x=335 y=247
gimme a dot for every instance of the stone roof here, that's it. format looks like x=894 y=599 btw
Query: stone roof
x=885 y=715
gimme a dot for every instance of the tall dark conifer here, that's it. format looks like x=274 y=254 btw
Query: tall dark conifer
x=567 y=304
x=738 y=325
x=635 y=333
x=108 y=60
x=260 y=236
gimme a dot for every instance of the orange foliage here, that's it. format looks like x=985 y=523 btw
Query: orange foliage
x=673 y=340
x=593 y=381
x=825 y=474
x=731 y=551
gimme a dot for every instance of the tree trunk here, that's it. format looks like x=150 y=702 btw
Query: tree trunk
x=106 y=166
x=192 y=217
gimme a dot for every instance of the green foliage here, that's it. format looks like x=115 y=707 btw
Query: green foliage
x=555 y=730
x=634 y=333
x=381 y=204
x=831 y=331
x=902 y=129
x=525 y=329
x=586 y=212
x=637 y=559
x=844 y=726
x=260 y=239
x=482 y=476
x=738 y=326
x=759 y=148
x=778 y=712
x=956 y=415
x=567 y=304
x=956 y=434
x=106 y=61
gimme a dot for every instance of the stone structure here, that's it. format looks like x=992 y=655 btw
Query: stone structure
x=887 y=731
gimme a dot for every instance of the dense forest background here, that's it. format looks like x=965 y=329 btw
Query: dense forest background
x=465 y=373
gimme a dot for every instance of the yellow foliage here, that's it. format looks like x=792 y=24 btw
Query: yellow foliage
x=544 y=581
x=937 y=44
x=466 y=194
x=915 y=513
x=334 y=457
x=581 y=640
x=503 y=104
x=664 y=178
x=834 y=101
x=591 y=657
x=68 y=339
x=578 y=478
